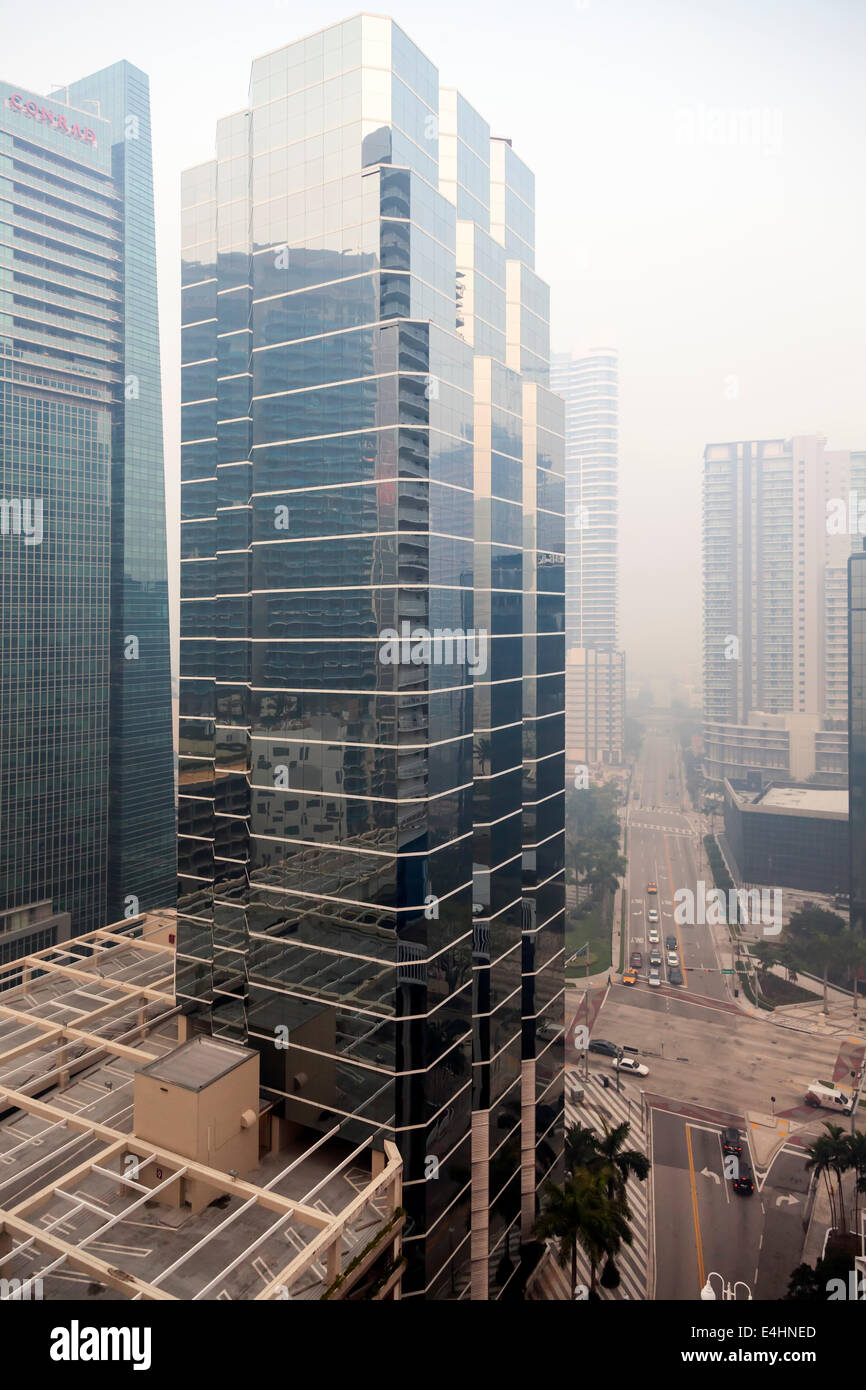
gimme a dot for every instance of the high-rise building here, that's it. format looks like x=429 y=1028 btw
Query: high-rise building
x=777 y=535
x=595 y=703
x=86 y=796
x=371 y=694
x=857 y=737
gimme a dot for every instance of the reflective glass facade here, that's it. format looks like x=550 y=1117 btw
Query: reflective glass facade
x=589 y=386
x=86 y=796
x=370 y=830
x=857 y=736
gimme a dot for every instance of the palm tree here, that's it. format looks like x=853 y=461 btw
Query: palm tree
x=581 y=1147
x=581 y=1213
x=819 y=1154
x=828 y=1155
x=626 y=1163
x=856 y=1144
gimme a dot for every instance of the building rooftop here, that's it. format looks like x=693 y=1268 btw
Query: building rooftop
x=826 y=800
x=793 y=800
x=195 y=1064
x=318 y=1217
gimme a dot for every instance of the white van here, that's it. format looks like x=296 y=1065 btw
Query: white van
x=828 y=1096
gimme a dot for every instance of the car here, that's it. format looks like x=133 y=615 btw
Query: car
x=675 y=975
x=651 y=887
x=654 y=979
x=631 y=1065
x=608 y=1049
x=673 y=958
x=636 y=960
x=671 y=943
x=653 y=937
x=731 y=1143
x=652 y=915
x=629 y=978
x=828 y=1096
x=655 y=959
x=744 y=1182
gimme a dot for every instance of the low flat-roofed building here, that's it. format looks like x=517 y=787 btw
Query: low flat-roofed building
x=789 y=836
x=119 y=1133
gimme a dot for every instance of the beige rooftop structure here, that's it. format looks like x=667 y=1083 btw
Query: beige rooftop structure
x=812 y=801
x=137 y=1163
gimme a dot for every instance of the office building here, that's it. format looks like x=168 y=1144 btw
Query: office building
x=779 y=523
x=857 y=737
x=594 y=706
x=86 y=797
x=770 y=747
x=595 y=703
x=788 y=836
x=371 y=694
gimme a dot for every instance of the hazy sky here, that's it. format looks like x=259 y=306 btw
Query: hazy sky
x=700 y=197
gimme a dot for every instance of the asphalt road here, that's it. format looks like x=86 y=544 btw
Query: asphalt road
x=701 y=1224
x=710 y=1062
x=664 y=848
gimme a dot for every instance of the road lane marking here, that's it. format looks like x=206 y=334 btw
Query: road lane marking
x=700 y=1249
x=680 y=952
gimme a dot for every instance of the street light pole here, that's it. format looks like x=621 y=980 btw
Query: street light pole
x=729 y=1290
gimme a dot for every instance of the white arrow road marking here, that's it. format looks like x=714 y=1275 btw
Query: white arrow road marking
x=787 y=1198
x=708 y=1173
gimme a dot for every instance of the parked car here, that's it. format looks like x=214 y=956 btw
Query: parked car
x=673 y=958
x=744 y=1182
x=731 y=1142
x=828 y=1096
x=652 y=915
x=675 y=975
x=636 y=960
x=630 y=1064
x=671 y=943
x=608 y=1049
x=629 y=978
x=651 y=887
x=654 y=979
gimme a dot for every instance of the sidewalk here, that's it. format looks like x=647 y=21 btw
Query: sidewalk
x=820 y=1219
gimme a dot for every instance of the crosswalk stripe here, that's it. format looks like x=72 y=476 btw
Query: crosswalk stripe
x=632 y=1261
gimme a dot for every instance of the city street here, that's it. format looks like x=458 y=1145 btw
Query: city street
x=713 y=1061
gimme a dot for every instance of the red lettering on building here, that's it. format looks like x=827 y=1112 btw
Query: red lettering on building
x=56 y=119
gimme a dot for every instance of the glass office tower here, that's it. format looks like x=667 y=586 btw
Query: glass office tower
x=86 y=794
x=371 y=733
x=857 y=736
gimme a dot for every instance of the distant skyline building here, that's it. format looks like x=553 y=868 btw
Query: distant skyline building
x=594 y=705
x=371 y=778
x=86 y=798
x=595 y=701
x=777 y=535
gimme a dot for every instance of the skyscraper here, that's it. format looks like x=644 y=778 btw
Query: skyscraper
x=86 y=796
x=777 y=535
x=595 y=685
x=857 y=737
x=371 y=695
